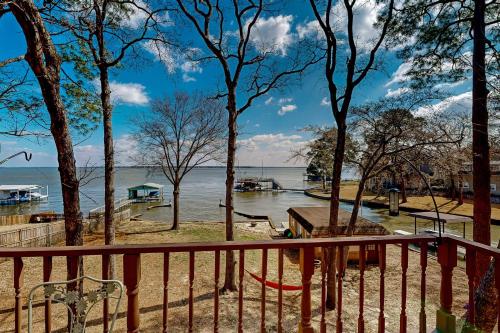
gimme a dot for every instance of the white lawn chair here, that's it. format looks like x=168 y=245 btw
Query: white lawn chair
x=58 y=292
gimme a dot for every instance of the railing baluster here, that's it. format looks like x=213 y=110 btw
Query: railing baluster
x=362 y=266
x=240 y=290
x=423 y=286
x=47 y=272
x=382 y=263
x=404 y=268
x=470 y=270
x=307 y=261
x=105 y=260
x=339 y=288
x=191 y=281
x=323 y=290
x=216 y=291
x=18 y=285
x=132 y=277
x=447 y=258
x=166 y=272
x=263 y=292
x=280 y=291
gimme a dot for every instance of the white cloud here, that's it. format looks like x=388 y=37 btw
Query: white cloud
x=400 y=75
x=126 y=150
x=325 y=101
x=285 y=100
x=450 y=85
x=397 y=92
x=187 y=78
x=161 y=53
x=365 y=16
x=173 y=60
x=128 y=93
x=138 y=13
x=269 y=100
x=273 y=149
x=454 y=104
x=272 y=34
x=310 y=29
x=286 y=108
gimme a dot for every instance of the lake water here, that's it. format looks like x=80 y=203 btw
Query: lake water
x=201 y=191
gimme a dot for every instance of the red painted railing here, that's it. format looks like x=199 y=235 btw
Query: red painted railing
x=447 y=259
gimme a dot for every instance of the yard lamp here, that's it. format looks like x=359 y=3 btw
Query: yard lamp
x=393 y=202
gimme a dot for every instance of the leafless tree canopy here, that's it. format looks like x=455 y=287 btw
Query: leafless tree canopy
x=181 y=133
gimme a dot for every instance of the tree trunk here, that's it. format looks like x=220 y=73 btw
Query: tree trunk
x=460 y=189
x=485 y=297
x=109 y=171
x=453 y=188
x=480 y=143
x=354 y=216
x=402 y=186
x=338 y=160
x=45 y=63
x=355 y=208
x=175 y=193
x=229 y=280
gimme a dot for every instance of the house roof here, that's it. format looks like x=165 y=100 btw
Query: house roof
x=146 y=186
x=18 y=187
x=315 y=220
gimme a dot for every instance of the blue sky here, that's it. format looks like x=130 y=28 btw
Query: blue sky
x=268 y=130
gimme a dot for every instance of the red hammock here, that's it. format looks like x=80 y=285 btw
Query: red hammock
x=274 y=285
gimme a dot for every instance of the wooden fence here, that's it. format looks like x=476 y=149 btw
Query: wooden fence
x=40 y=234
x=14 y=219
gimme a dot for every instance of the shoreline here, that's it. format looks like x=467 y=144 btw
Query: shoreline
x=374 y=202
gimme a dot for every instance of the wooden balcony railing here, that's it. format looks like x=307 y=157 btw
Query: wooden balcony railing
x=132 y=274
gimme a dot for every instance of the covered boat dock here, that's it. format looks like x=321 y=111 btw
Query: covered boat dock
x=146 y=192
x=15 y=194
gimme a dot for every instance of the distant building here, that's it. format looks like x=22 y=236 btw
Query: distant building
x=494 y=184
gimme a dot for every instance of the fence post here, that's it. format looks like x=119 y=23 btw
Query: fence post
x=307 y=264
x=447 y=258
x=132 y=277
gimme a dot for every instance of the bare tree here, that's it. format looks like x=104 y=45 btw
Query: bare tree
x=250 y=69
x=105 y=35
x=382 y=134
x=45 y=63
x=358 y=64
x=180 y=134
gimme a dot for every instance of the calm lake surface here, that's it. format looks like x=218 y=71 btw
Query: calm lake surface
x=201 y=191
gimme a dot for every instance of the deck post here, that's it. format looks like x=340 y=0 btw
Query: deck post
x=447 y=258
x=307 y=263
x=132 y=277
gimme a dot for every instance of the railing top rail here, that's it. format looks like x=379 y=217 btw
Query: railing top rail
x=485 y=249
x=210 y=246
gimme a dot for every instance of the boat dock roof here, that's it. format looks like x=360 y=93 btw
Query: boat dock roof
x=19 y=187
x=146 y=186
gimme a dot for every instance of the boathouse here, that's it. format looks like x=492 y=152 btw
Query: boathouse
x=313 y=222
x=146 y=192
